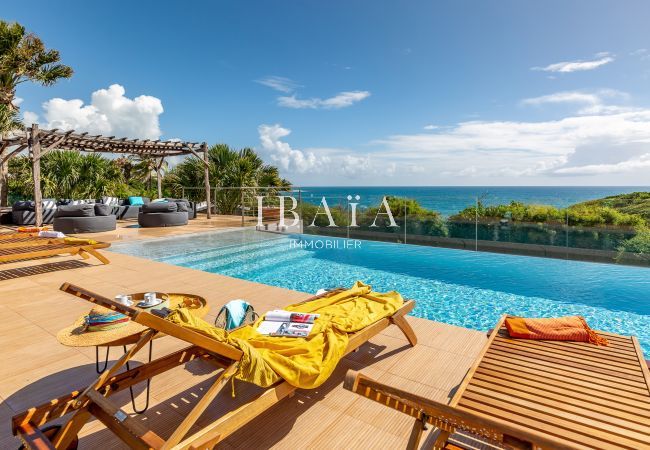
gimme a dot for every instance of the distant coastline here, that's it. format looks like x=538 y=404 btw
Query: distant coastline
x=449 y=200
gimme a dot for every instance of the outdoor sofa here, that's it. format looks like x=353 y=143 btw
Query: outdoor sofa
x=24 y=212
x=84 y=218
x=164 y=214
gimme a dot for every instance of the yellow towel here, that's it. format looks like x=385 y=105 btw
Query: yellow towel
x=79 y=241
x=303 y=362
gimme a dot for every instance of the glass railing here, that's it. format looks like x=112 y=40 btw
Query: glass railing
x=526 y=221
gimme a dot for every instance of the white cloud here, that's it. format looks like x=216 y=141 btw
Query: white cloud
x=430 y=127
x=592 y=103
x=514 y=149
x=579 y=65
x=17 y=101
x=288 y=86
x=29 y=118
x=110 y=112
x=563 y=97
x=281 y=84
x=352 y=165
x=630 y=165
x=341 y=100
x=289 y=159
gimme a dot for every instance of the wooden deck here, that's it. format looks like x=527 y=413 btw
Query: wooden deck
x=37 y=368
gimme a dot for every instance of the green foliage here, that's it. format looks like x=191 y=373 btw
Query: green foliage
x=68 y=174
x=639 y=245
x=228 y=169
x=9 y=120
x=588 y=214
x=406 y=212
x=636 y=203
x=23 y=57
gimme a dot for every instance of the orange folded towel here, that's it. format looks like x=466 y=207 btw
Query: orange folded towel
x=572 y=328
x=32 y=229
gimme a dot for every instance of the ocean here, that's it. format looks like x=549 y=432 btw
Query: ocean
x=450 y=200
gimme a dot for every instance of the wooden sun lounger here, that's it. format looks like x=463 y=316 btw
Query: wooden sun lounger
x=537 y=394
x=14 y=249
x=94 y=401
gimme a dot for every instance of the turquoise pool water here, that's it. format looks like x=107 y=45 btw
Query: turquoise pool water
x=469 y=289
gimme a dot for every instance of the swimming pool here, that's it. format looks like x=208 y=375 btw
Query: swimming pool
x=469 y=289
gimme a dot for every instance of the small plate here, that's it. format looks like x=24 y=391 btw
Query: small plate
x=144 y=304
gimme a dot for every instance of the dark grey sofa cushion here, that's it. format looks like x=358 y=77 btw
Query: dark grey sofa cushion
x=94 y=224
x=29 y=217
x=159 y=207
x=164 y=219
x=27 y=205
x=83 y=210
x=182 y=206
x=103 y=210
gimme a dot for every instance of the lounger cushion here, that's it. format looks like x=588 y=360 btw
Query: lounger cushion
x=103 y=210
x=81 y=210
x=164 y=219
x=182 y=206
x=159 y=207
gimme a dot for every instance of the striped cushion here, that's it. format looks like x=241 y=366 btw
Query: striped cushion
x=49 y=203
x=111 y=201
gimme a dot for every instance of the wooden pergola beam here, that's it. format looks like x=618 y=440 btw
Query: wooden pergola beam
x=40 y=142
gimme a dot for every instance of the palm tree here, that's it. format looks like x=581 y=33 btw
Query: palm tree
x=231 y=170
x=23 y=57
x=68 y=174
x=144 y=168
x=9 y=122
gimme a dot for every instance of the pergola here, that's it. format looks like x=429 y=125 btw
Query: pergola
x=39 y=142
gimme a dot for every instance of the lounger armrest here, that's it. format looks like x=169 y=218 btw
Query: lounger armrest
x=98 y=299
x=446 y=417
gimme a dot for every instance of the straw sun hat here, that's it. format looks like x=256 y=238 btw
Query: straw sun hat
x=78 y=334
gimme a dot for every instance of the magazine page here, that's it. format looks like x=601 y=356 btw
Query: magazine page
x=279 y=315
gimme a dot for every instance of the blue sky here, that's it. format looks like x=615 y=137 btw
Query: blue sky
x=365 y=92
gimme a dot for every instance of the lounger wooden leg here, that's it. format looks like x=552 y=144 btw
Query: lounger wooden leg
x=403 y=325
x=97 y=255
x=416 y=433
x=230 y=422
x=83 y=254
x=441 y=440
x=69 y=430
x=201 y=406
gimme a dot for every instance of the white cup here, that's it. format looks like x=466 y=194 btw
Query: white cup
x=124 y=299
x=150 y=297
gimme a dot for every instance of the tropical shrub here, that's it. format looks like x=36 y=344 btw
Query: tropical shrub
x=582 y=214
x=639 y=245
x=229 y=171
x=68 y=174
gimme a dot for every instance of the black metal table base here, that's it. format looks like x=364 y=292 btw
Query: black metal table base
x=101 y=370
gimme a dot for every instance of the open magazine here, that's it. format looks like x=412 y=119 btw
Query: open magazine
x=286 y=323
